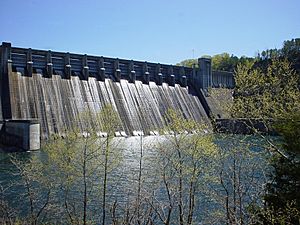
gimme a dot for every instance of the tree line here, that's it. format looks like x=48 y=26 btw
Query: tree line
x=228 y=62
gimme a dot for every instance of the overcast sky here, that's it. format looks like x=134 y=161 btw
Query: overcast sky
x=154 y=30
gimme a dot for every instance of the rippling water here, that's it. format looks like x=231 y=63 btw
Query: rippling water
x=123 y=180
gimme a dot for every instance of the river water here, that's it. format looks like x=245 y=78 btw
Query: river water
x=235 y=170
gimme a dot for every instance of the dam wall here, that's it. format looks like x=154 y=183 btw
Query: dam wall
x=55 y=88
x=222 y=79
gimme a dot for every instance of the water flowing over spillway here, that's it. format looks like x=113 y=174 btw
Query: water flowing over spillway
x=57 y=102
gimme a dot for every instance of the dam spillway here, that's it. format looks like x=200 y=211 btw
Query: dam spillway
x=58 y=102
x=55 y=88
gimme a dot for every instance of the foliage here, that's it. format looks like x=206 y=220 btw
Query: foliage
x=266 y=95
x=240 y=180
x=188 y=63
x=289 y=51
x=37 y=189
x=269 y=89
x=79 y=163
x=286 y=215
x=226 y=62
x=184 y=161
x=289 y=129
x=283 y=197
x=109 y=120
x=221 y=62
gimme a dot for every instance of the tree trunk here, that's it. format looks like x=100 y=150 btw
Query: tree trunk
x=180 y=204
x=105 y=182
x=85 y=186
x=139 y=182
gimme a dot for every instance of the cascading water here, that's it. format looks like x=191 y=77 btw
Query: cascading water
x=58 y=102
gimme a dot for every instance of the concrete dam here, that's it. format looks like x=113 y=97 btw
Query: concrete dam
x=53 y=88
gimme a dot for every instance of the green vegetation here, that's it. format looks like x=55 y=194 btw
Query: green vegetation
x=227 y=62
x=283 y=197
x=268 y=95
x=185 y=162
x=269 y=89
x=222 y=62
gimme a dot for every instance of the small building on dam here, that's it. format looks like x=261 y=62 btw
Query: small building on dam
x=44 y=92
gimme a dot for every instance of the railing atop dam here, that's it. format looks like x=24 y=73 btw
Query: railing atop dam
x=27 y=61
x=67 y=64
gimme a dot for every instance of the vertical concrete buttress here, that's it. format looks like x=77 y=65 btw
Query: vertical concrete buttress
x=6 y=67
x=204 y=74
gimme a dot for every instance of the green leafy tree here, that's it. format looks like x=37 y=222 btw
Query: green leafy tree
x=80 y=161
x=239 y=182
x=272 y=94
x=109 y=124
x=224 y=62
x=37 y=189
x=291 y=51
x=188 y=63
x=266 y=95
x=283 y=196
x=184 y=161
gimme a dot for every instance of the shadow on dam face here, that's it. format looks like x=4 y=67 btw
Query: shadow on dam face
x=57 y=102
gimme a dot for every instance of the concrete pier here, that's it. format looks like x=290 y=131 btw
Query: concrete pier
x=21 y=134
x=244 y=126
